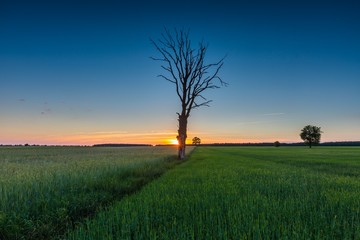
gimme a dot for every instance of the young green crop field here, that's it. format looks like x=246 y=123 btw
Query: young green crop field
x=44 y=191
x=242 y=193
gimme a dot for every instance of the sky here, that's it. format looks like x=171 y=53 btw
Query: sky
x=80 y=73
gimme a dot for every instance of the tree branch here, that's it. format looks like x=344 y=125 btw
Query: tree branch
x=186 y=69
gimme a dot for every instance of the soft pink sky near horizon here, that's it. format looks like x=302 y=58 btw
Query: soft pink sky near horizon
x=168 y=137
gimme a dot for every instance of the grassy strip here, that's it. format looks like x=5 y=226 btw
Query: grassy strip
x=45 y=202
x=242 y=193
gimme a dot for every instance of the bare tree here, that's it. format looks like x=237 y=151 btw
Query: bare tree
x=186 y=68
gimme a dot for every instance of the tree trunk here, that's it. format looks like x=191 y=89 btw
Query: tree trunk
x=182 y=136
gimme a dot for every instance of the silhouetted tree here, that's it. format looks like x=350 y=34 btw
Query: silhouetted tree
x=196 y=141
x=311 y=135
x=186 y=68
x=277 y=144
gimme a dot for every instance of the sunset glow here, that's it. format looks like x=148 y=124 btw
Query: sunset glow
x=174 y=141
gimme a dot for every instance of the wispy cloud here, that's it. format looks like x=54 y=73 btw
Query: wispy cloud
x=125 y=133
x=89 y=138
x=47 y=109
x=261 y=118
x=272 y=114
x=250 y=122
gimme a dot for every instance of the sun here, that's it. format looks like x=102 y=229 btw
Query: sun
x=173 y=141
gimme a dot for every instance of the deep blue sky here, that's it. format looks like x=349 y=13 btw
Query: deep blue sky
x=79 y=71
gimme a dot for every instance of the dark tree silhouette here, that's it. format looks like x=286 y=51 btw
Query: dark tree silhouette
x=186 y=68
x=277 y=144
x=196 y=141
x=311 y=135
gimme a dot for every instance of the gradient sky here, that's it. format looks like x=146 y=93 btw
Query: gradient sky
x=79 y=72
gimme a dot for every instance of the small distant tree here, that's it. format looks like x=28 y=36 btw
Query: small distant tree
x=196 y=141
x=311 y=135
x=277 y=144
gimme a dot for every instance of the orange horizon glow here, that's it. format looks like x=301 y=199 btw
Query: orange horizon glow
x=151 y=138
x=89 y=139
x=92 y=138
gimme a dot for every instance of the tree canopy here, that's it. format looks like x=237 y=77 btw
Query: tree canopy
x=196 y=141
x=311 y=135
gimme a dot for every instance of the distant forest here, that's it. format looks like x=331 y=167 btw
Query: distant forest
x=345 y=143
x=121 y=145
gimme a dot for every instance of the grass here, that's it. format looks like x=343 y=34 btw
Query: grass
x=45 y=191
x=242 y=193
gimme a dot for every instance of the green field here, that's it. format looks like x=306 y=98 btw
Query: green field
x=45 y=191
x=242 y=193
x=218 y=193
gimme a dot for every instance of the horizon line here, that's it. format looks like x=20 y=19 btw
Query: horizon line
x=164 y=144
